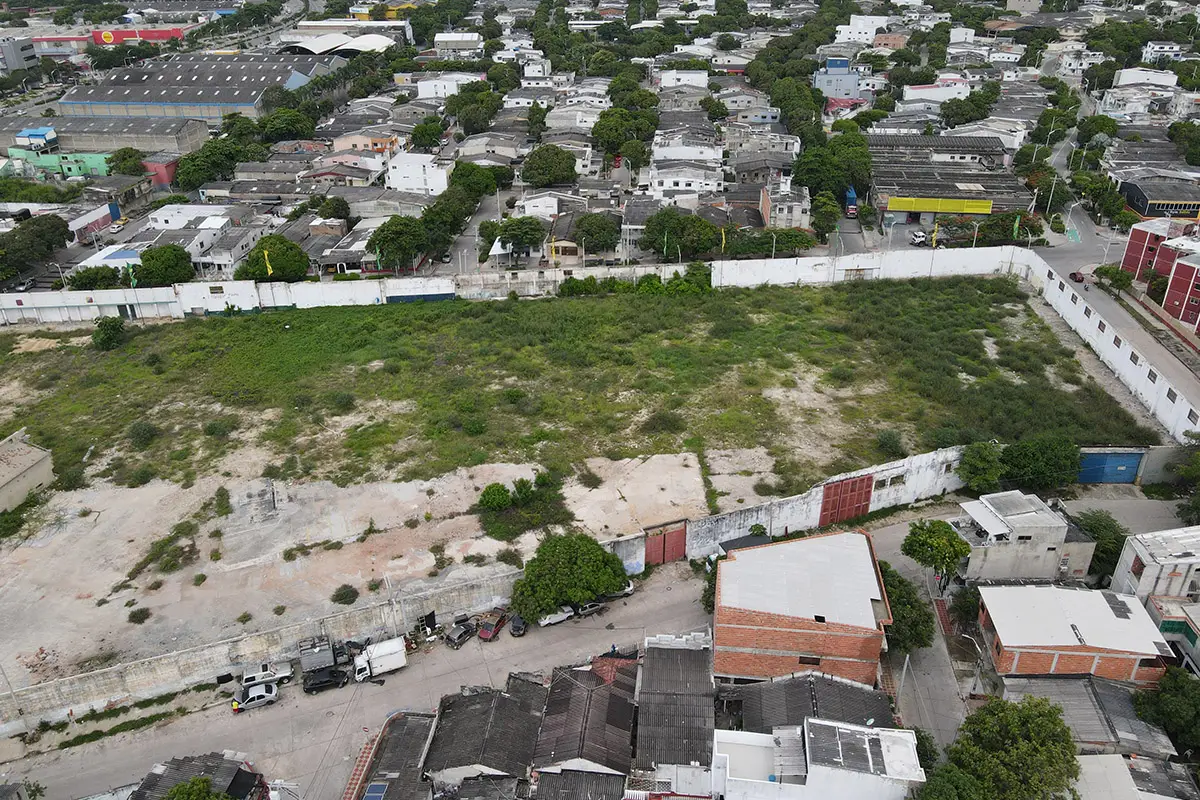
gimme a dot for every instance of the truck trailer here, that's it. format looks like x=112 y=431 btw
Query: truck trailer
x=381 y=658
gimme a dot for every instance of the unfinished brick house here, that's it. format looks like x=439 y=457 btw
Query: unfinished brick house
x=1049 y=630
x=809 y=604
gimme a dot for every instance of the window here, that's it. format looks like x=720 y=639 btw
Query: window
x=1024 y=538
x=1101 y=326
x=948 y=468
x=1051 y=549
x=1171 y=395
x=811 y=661
x=1149 y=662
x=1137 y=567
x=1117 y=342
x=819 y=617
x=897 y=480
x=1193 y=417
x=881 y=484
x=1061 y=286
x=1134 y=357
x=1074 y=299
x=216 y=289
x=1049 y=273
x=1153 y=376
x=1087 y=312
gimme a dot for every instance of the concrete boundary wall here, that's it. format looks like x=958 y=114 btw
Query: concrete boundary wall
x=907 y=480
x=140 y=680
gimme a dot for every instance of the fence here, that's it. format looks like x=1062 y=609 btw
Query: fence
x=140 y=680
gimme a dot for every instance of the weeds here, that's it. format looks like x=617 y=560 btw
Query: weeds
x=344 y=595
x=13 y=520
x=589 y=479
x=478 y=559
x=221 y=503
x=124 y=727
x=279 y=610
x=198 y=579
x=245 y=617
x=512 y=557
x=530 y=506
x=440 y=559
x=374 y=584
x=139 y=615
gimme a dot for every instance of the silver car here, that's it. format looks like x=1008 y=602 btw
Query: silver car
x=563 y=614
x=267 y=673
x=264 y=694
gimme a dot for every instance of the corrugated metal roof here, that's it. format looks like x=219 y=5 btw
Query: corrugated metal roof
x=578 y=785
x=676 y=711
x=588 y=718
x=490 y=727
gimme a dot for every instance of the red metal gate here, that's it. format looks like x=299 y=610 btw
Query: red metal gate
x=846 y=499
x=666 y=542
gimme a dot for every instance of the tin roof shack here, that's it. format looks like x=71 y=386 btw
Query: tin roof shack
x=24 y=468
x=228 y=773
x=1017 y=536
x=395 y=770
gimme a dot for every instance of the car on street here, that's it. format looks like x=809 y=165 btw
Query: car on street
x=267 y=673
x=563 y=614
x=625 y=592
x=492 y=623
x=326 y=678
x=588 y=609
x=1077 y=277
x=264 y=694
x=918 y=239
x=457 y=636
x=25 y=285
x=517 y=626
x=116 y=227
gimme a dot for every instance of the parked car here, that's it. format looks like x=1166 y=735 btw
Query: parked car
x=264 y=694
x=1077 y=277
x=25 y=285
x=457 y=636
x=563 y=614
x=625 y=592
x=492 y=623
x=918 y=239
x=588 y=609
x=267 y=673
x=326 y=678
x=116 y=227
x=517 y=626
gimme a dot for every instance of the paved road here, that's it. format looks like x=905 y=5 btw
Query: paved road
x=464 y=252
x=313 y=741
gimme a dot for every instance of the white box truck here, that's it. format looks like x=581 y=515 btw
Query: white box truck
x=380 y=658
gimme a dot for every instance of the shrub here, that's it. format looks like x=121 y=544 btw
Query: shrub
x=214 y=554
x=664 y=422
x=344 y=595
x=220 y=428
x=139 y=615
x=332 y=546
x=511 y=556
x=411 y=522
x=278 y=610
x=589 y=479
x=245 y=617
x=374 y=584
x=140 y=476
x=341 y=402
x=109 y=333
x=199 y=578
x=141 y=434
x=478 y=559
x=154 y=585
x=891 y=444
x=221 y=504
x=495 y=497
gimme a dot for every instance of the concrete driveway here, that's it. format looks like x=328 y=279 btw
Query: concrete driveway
x=313 y=741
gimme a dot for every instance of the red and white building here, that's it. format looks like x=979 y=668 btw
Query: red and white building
x=1170 y=248
x=1049 y=630
x=1143 y=248
x=816 y=603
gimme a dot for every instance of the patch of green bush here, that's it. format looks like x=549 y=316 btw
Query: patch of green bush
x=344 y=595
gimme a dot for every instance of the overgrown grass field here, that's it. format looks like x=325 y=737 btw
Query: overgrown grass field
x=415 y=390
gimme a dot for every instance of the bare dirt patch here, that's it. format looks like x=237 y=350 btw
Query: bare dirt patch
x=815 y=423
x=35 y=344
x=735 y=472
x=637 y=493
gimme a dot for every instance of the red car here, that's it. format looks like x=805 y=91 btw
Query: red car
x=492 y=623
x=1077 y=277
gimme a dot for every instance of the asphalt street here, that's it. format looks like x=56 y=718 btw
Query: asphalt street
x=313 y=740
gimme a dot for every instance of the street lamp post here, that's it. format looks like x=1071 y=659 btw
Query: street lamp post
x=975 y=238
x=772 y=245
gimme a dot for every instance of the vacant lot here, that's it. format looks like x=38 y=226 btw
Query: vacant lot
x=415 y=391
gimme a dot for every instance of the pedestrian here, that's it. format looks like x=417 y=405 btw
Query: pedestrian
x=613 y=650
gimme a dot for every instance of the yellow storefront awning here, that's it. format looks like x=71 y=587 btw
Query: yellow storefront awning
x=939 y=205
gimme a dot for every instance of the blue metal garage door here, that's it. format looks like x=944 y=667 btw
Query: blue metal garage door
x=1109 y=467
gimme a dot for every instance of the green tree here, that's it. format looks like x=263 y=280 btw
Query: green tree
x=1174 y=706
x=980 y=467
x=379 y=12
x=284 y=124
x=1116 y=278
x=635 y=154
x=715 y=109
x=126 y=161
x=726 y=42
x=964 y=608
x=673 y=233
x=495 y=497
x=548 y=165
x=398 y=241
x=928 y=751
x=933 y=543
x=334 y=208
x=825 y=215
x=568 y=568
x=489 y=232
x=479 y=181
x=239 y=127
x=912 y=620
x=1126 y=219
x=1040 y=463
x=522 y=232
x=616 y=126
x=1017 y=751
x=1110 y=539
x=598 y=232
x=33 y=789
x=288 y=262
x=93 y=278
x=1088 y=127
x=948 y=782
x=427 y=135
x=164 y=266
x=109 y=333
x=196 y=789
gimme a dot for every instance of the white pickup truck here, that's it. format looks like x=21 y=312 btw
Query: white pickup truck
x=267 y=673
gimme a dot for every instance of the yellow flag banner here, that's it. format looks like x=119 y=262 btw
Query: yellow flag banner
x=267 y=259
x=722 y=240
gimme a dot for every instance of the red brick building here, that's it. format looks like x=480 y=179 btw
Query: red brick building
x=1049 y=630
x=810 y=604
x=1144 y=248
